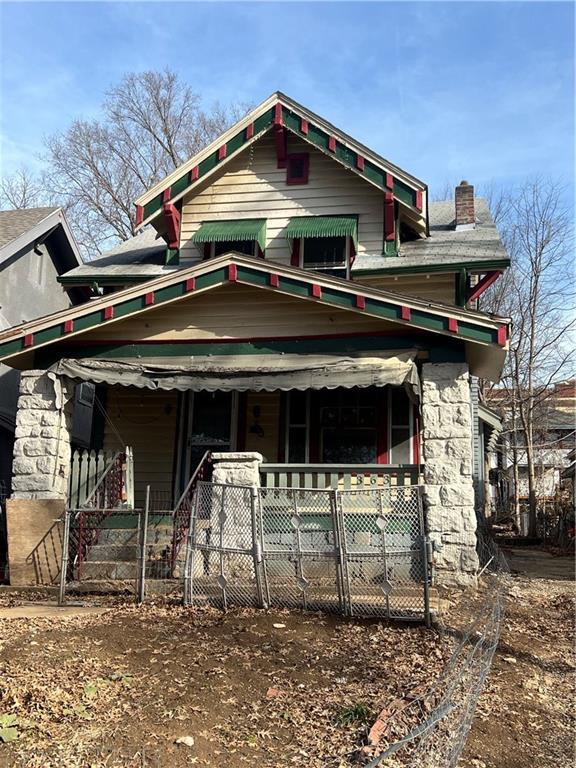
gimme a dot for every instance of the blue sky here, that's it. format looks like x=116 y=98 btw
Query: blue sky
x=482 y=91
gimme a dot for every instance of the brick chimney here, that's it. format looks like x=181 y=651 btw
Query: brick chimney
x=464 y=198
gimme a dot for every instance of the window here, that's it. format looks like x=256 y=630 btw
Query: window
x=249 y=247
x=400 y=421
x=348 y=426
x=297 y=168
x=85 y=393
x=297 y=425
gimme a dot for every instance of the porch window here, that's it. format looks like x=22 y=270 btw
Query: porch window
x=297 y=427
x=400 y=422
x=348 y=426
x=243 y=235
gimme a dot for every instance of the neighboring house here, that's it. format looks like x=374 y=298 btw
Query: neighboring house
x=36 y=247
x=291 y=294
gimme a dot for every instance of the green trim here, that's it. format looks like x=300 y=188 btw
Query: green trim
x=443 y=352
x=323 y=226
x=233 y=229
x=424 y=269
x=315 y=136
x=390 y=248
x=92 y=281
x=172 y=257
x=294 y=285
x=461 y=278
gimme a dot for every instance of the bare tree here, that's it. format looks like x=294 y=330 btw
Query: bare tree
x=151 y=123
x=538 y=295
x=21 y=189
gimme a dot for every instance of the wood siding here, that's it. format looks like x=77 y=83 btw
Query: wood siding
x=146 y=421
x=269 y=421
x=239 y=311
x=433 y=287
x=254 y=187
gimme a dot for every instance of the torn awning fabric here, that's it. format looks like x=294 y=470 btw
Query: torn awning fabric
x=254 y=373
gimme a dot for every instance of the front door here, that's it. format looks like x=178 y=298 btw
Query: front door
x=208 y=424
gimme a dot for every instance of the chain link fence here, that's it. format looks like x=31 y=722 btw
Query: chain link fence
x=361 y=552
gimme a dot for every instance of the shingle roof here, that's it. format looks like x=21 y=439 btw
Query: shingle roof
x=142 y=255
x=16 y=223
x=445 y=245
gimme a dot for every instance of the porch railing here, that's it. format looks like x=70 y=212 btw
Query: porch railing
x=338 y=476
x=101 y=479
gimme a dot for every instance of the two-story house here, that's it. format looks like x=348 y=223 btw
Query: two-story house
x=291 y=294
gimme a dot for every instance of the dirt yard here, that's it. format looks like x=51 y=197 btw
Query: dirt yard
x=102 y=688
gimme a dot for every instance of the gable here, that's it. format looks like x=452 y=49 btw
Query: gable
x=279 y=113
x=252 y=185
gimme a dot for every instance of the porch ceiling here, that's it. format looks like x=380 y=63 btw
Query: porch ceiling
x=485 y=336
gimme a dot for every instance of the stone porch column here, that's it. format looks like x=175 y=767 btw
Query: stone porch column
x=40 y=473
x=236 y=468
x=448 y=461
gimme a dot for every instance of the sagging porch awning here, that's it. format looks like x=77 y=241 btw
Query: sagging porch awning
x=229 y=231
x=255 y=373
x=323 y=226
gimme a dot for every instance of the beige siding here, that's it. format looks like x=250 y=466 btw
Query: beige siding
x=238 y=311
x=146 y=421
x=267 y=443
x=253 y=187
x=434 y=287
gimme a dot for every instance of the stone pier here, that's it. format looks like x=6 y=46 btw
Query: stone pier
x=447 y=456
x=41 y=470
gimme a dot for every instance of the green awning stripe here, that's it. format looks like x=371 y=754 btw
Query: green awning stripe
x=227 y=231
x=323 y=226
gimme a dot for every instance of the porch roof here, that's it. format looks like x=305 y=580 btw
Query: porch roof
x=256 y=373
x=485 y=336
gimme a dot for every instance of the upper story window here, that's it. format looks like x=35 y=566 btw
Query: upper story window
x=246 y=236
x=323 y=243
x=297 y=168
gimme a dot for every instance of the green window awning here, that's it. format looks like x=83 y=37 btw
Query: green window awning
x=228 y=231
x=323 y=226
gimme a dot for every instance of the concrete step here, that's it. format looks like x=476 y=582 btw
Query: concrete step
x=126 y=552
x=114 y=570
x=157 y=534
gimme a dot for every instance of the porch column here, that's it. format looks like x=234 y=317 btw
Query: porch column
x=40 y=473
x=448 y=461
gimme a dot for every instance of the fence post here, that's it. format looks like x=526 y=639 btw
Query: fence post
x=64 y=558
x=342 y=579
x=187 y=597
x=142 y=549
x=257 y=546
x=425 y=564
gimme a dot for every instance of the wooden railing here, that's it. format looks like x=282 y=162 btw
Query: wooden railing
x=101 y=480
x=338 y=476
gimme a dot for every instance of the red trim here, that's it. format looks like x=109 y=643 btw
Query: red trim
x=139 y=215
x=483 y=284
x=280 y=140
x=305 y=158
x=250 y=131
x=360 y=301
x=68 y=326
x=389 y=224
x=194 y=173
x=274 y=280
x=406 y=313
x=278 y=114
x=108 y=313
x=332 y=143
x=190 y=284
x=389 y=181
x=415 y=434
x=295 y=256
x=166 y=195
x=360 y=162
x=382 y=428
x=304 y=126
x=316 y=291
x=28 y=339
x=232 y=273
x=222 y=152
x=453 y=325
x=419 y=200
x=149 y=299
x=502 y=336
x=172 y=221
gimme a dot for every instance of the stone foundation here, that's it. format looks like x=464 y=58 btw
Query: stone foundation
x=447 y=456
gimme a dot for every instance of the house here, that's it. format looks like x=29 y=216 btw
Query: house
x=293 y=302
x=36 y=247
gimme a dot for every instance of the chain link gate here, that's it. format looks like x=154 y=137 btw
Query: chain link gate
x=355 y=552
